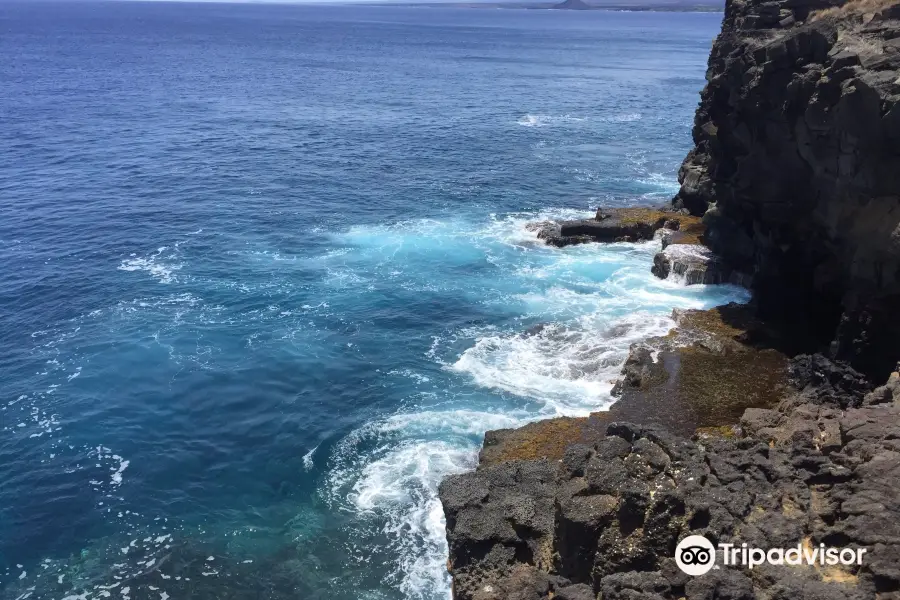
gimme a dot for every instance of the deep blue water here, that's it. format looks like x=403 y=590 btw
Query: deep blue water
x=266 y=280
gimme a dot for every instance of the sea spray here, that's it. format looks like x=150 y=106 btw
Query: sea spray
x=575 y=313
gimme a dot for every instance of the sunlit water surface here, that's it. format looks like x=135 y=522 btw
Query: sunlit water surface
x=266 y=278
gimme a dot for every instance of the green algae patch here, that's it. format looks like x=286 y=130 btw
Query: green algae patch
x=704 y=373
x=542 y=439
x=636 y=216
x=721 y=373
x=722 y=432
x=719 y=387
x=652 y=217
x=690 y=232
x=731 y=321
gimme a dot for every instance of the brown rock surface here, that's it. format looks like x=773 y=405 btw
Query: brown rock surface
x=616 y=225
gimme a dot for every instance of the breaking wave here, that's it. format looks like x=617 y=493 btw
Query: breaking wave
x=575 y=313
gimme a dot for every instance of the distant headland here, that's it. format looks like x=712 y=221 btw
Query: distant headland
x=573 y=5
x=616 y=5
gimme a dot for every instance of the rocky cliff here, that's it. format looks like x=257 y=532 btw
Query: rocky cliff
x=602 y=521
x=757 y=424
x=796 y=167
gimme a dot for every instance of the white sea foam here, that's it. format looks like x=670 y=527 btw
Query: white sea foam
x=392 y=245
x=410 y=374
x=308 y=459
x=530 y=120
x=623 y=118
x=570 y=368
x=161 y=264
x=118 y=470
x=388 y=472
x=591 y=303
x=544 y=120
x=114 y=463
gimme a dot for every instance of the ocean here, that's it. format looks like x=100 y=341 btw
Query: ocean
x=266 y=278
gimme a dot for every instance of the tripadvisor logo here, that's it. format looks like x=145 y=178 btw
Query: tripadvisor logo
x=696 y=555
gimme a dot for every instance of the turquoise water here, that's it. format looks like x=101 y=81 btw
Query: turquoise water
x=266 y=276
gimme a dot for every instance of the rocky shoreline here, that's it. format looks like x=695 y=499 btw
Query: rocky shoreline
x=773 y=424
x=722 y=428
x=603 y=520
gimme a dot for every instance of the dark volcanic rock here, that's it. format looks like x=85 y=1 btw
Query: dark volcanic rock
x=604 y=522
x=796 y=166
x=502 y=516
x=612 y=225
x=694 y=264
x=827 y=383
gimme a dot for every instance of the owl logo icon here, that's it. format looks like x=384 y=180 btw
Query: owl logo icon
x=695 y=555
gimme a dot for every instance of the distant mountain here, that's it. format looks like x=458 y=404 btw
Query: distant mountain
x=573 y=5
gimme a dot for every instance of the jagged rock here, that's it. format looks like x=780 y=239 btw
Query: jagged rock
x=868 y=336
x=761 y=422
x=695 y=264
x=890 y=392
x=578 y=591
x=720 y=585
x=823 y=476
x=828 y=383
x=635 y=586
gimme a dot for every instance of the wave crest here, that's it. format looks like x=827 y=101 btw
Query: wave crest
x=530 y=120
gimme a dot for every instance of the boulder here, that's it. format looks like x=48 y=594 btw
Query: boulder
x=693 y=264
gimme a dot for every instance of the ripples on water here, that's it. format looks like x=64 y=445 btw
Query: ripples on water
x=266 y=278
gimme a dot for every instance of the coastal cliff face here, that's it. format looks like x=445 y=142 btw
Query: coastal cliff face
x=796 y=167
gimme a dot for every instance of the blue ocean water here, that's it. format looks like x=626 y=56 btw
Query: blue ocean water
x=266 y=277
